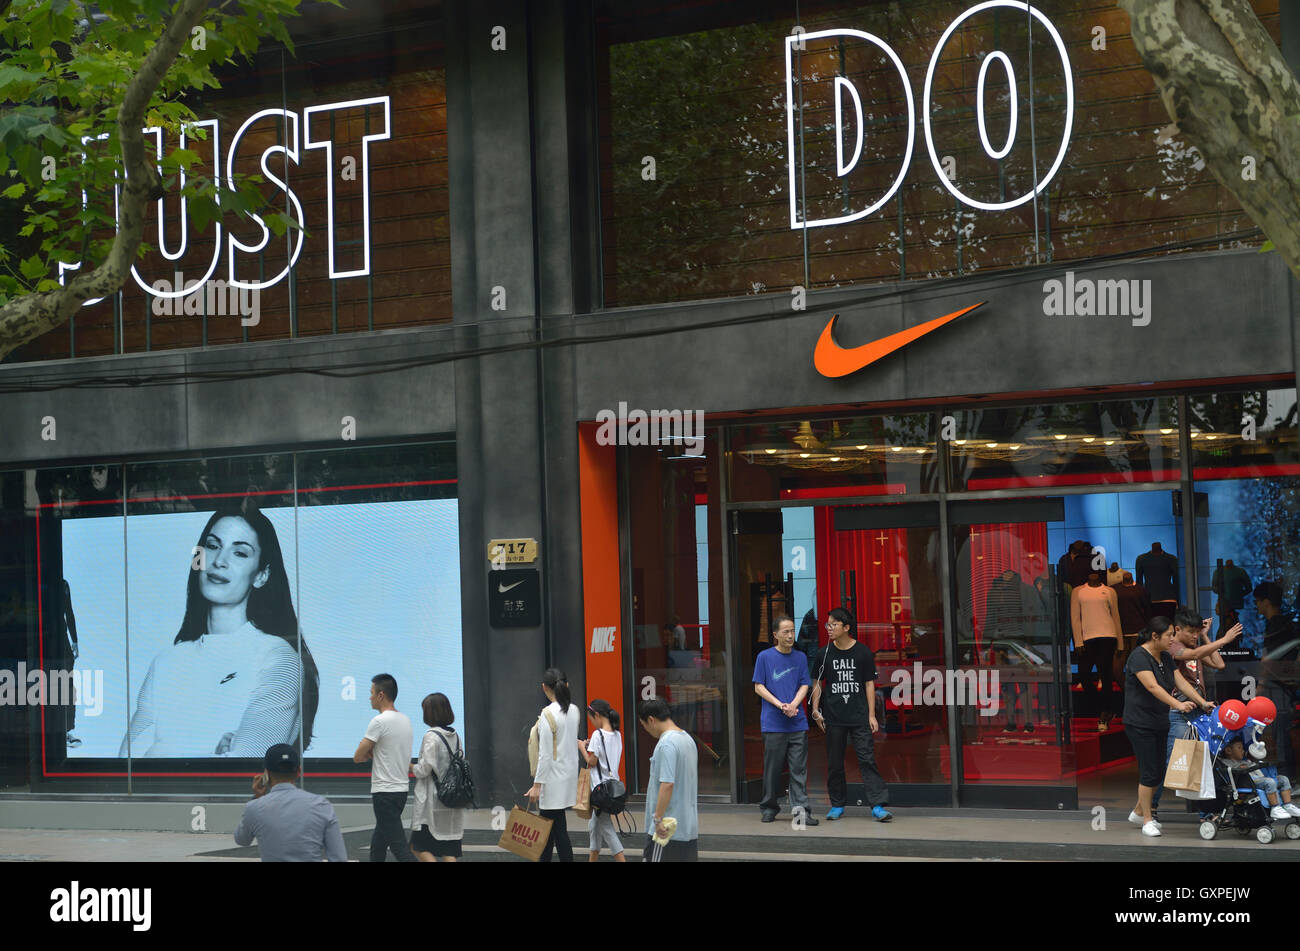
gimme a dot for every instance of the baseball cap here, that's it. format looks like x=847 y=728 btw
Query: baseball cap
x=282 y=758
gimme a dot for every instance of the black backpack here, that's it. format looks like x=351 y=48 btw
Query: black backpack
x=456 y=788
x=610 y=795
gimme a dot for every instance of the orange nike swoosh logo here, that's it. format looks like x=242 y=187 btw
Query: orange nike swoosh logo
x=832 y=360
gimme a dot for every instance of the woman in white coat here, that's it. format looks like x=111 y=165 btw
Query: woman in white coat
x=555 y=786
x=436 y=829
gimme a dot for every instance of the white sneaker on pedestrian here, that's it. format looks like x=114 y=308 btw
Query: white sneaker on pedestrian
x=1151 y=828
x=1135 y=818
x=1292 y=809
x=1277 y=812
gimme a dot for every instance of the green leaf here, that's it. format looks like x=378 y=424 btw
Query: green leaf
x=32 y=268
x=14 y=191
x=1267 y=246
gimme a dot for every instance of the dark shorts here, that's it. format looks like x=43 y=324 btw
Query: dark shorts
x=423 y=841
x=1149 y=748
x=674 y=851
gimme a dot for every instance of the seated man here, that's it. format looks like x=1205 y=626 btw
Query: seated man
x=290 y=825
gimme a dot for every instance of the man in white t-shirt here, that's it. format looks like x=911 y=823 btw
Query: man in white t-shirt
x=388 y=745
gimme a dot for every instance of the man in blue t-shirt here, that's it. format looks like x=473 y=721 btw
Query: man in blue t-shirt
x=781 y=680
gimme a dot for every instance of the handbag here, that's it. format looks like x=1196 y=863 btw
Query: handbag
x=525 y=834
x=610 y=795
x=534 y=740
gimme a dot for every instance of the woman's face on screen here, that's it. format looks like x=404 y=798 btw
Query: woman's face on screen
x=233 y=559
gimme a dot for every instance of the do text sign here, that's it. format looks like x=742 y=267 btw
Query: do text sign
x=842 y=88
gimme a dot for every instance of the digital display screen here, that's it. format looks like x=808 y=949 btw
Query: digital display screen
x=373 y=587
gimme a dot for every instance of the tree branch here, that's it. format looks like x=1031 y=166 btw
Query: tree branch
x=31 y=315
x=1232 y=96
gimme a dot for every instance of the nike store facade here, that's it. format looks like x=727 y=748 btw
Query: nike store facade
x=634 y=328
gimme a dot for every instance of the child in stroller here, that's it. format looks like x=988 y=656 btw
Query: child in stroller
x=1237 y=802
x=1275 y=788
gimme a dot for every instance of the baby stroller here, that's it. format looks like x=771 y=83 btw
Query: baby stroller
x=1236 y=803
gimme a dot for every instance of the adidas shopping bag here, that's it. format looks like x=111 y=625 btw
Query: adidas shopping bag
x=1185 y=765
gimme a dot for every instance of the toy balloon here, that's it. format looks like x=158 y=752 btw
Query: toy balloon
x=1232 y=714
x=1262 y=709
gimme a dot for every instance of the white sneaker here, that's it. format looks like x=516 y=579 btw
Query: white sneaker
x=1292 y=809
x=1135 y=818
x=1277 y=812
x=1151 y=829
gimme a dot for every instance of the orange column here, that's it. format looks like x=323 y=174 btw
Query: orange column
x=601 y=582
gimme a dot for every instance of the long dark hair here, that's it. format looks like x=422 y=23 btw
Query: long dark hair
x=559 y=684
x=603 y=709
x=270 y=607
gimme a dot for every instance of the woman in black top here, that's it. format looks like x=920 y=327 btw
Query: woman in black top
x=1150 y=678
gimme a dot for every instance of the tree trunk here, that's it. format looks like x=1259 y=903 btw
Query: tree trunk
x=1232 y=97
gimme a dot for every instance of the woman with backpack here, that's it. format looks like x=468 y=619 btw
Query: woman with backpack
x=602 y=751
x=555 y=781
x=436 y=828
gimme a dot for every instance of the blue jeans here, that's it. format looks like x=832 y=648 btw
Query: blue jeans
x=1178 y=729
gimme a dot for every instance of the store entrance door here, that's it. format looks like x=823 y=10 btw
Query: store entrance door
x=1011 y=642
x=882 y=562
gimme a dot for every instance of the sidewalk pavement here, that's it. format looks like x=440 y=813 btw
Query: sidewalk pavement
x=734 y=833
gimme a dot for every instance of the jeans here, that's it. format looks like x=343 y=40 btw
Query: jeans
x=389 y=832
x=778 y=749
x=837 y=738
x=559 y=837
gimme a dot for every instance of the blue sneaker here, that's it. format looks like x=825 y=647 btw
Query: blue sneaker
x=881 y=814
x=835 y=813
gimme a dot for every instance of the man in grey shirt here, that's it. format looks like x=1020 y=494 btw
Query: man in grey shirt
x=290 y=825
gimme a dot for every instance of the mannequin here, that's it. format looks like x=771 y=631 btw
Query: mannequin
x=1114 y=574
x=1094 y=620
x=1158 y=571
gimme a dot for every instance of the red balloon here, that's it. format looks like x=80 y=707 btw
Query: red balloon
x=1232 y=714
x=1262 y=709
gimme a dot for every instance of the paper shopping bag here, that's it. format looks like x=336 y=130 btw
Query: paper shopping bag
x=583 y=804
x=525 y=834
x=1205 y=785
x=1185 y=764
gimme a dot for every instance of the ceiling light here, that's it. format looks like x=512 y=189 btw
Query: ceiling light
x=770 y=451
x=992 y=445
x=895 y=448
x=803 y=455
x=1165 y=432
x=835 y=458
x=1109 y=442
x=1059 y=436
x=959 y=442
x=1089 y=438
x=860 y=447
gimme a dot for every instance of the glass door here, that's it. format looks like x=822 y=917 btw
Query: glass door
x=1011 y=655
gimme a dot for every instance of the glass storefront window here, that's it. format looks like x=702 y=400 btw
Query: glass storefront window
x=1060 y=444
x=232 y=607
x=375 y=249
x=870 y=455
x=734 y=180
x=679 y=641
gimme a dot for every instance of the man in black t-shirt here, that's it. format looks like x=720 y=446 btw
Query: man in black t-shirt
x=848 y=668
